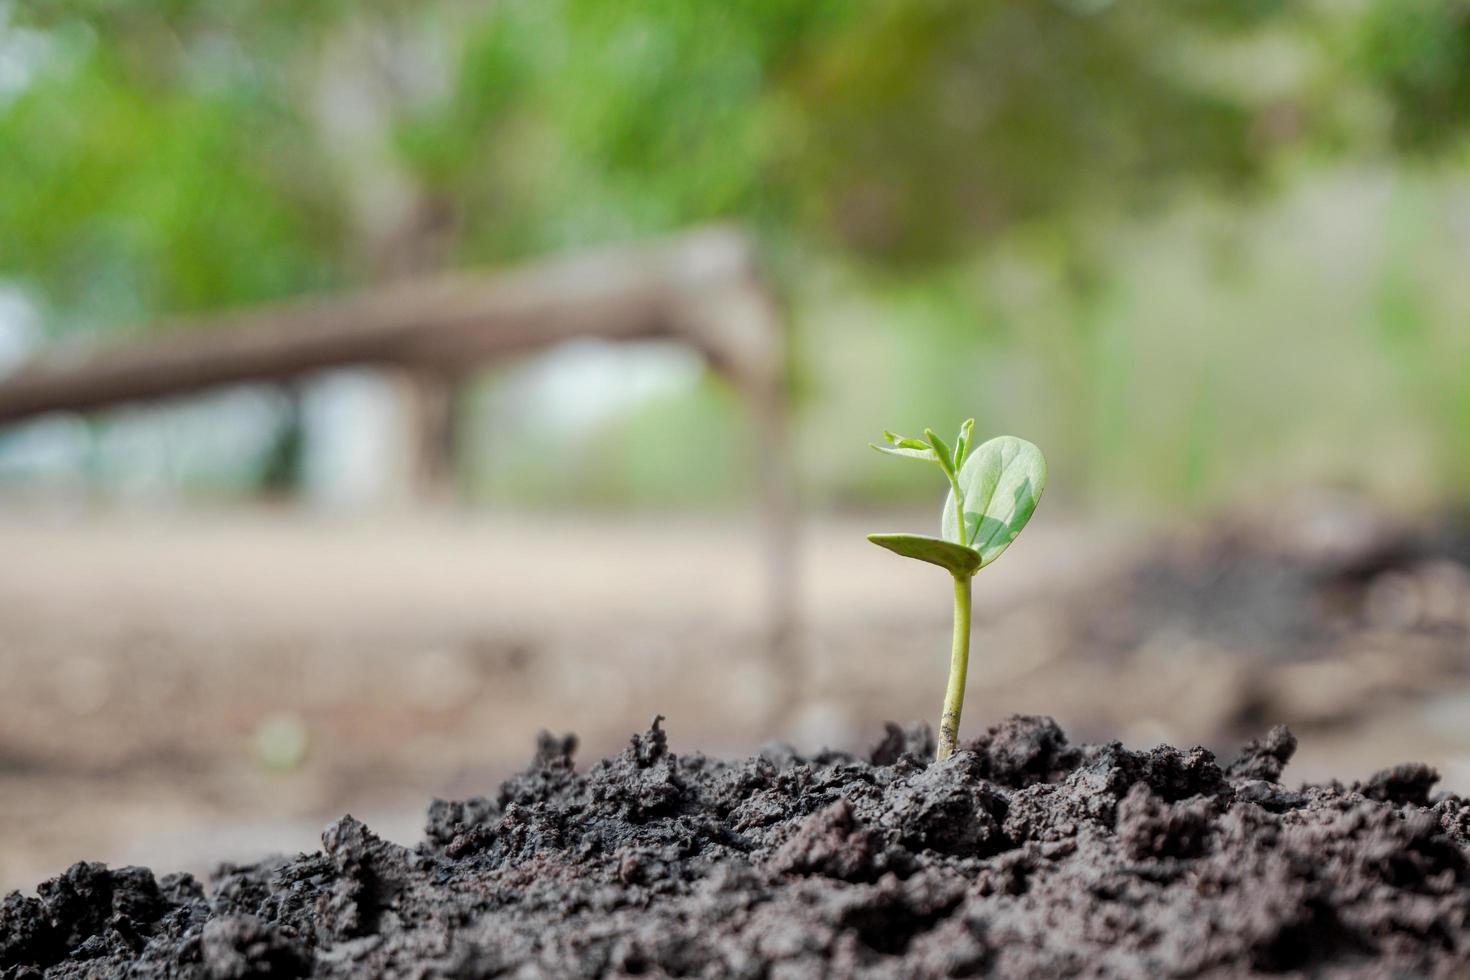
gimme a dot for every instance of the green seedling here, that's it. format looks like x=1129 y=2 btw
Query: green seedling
x=992 y=494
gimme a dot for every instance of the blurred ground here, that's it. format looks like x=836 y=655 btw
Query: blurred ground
x=143 y=655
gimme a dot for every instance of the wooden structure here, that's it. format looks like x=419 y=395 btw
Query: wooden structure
x=704 y=288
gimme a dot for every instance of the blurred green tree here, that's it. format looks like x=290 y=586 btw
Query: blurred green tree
x=195 y=154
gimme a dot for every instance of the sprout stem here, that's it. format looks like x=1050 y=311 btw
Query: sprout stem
x=959 y=662
x=959 y=509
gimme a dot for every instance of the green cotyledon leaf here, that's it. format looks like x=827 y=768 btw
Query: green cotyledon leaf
x=936 y=551
x=1001 y=482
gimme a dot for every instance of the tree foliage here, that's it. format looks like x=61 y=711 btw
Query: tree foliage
x=186 y=155
x=190 y=155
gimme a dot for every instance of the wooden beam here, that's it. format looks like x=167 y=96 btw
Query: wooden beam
x=451 y=321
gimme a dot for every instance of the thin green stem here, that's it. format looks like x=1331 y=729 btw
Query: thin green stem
x=959 y=509
x=959 y=662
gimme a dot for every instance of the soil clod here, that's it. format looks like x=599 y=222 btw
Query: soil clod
x=1021 y=855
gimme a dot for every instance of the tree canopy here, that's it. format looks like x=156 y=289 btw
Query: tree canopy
x=190 y=155
x=195 y=153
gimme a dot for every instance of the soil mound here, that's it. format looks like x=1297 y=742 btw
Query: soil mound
x=1020 y=856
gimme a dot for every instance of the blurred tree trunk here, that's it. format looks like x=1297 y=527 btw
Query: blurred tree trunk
x=432 y=404
x=283 y=471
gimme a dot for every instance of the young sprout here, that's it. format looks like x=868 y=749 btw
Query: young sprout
x=992 y=494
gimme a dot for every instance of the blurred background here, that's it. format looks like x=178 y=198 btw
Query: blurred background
x=1211 y=256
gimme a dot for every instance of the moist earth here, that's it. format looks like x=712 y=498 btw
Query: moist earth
x=1022 y=855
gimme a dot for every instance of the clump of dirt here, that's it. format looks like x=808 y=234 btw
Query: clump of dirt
x=1020 y=856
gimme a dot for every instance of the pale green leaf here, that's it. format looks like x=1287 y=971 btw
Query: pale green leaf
x=1002 y=482
x=962 y=443
x=905 y=442
x=944 y=456
x=946 y=554
x=925 y=454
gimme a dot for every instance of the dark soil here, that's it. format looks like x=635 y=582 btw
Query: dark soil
x=1290 y=590
x=1021 y=856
